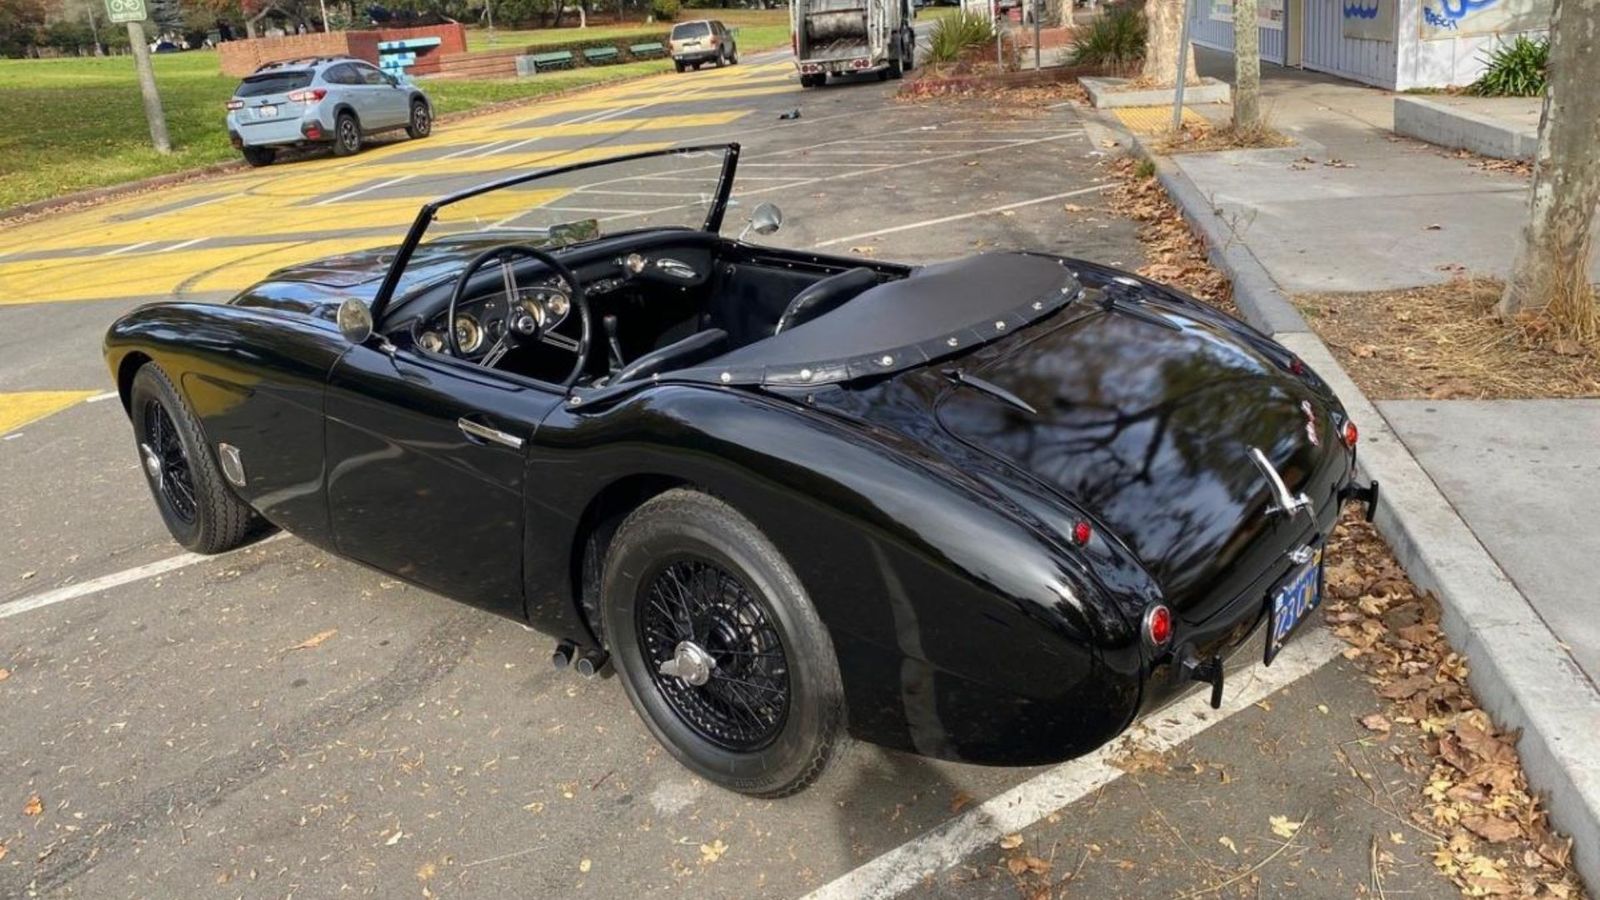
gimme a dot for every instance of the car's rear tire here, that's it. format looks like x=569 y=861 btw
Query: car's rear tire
x=200 y=511
x=678 y=66
x=346 y=135
x=420 y=125
x=259 y=156
x=811 y=81
x=687 y=570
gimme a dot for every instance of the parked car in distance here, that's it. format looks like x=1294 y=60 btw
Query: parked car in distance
x=702 y=41
x=325 y=100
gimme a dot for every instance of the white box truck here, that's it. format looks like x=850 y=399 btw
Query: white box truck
x=834 y=37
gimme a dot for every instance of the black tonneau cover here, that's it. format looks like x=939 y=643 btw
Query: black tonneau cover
x=936 y=311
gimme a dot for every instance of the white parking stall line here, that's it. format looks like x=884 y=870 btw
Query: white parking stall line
x=339 y=198
x=511 y=146
x=468 y=150
x=702 y=179
x=182 y=244
x=802 y=163
x=596 y=209
x=128 y=249
x=587 y=191
x=959 y=216
x=904 y=868
x=100 y=398
x=117 y=579
x=929 y=141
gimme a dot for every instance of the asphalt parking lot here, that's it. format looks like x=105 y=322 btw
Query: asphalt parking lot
x=278 y=722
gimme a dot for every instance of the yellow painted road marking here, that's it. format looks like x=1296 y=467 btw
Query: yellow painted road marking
x=169 y=242
x=1153 y=119
x=26 y=407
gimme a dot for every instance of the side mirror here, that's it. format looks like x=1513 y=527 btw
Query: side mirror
x=764 y=219
x=355 y=320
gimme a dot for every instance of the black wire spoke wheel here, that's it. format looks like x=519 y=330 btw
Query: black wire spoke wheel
x=168 y=461
x=732 y=682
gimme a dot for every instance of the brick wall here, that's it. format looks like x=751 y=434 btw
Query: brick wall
x=240 y=58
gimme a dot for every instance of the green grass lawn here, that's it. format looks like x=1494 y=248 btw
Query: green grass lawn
x=73 y=124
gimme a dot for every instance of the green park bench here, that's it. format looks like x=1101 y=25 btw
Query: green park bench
x=534 y=63
x=601 y=54
x=646 y=50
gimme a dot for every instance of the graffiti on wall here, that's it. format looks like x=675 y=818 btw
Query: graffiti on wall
x=1370 y=19
x=1443 y=19
x=1269 y=13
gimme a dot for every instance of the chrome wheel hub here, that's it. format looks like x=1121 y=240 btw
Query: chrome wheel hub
x=152 y=461
x=691 y=663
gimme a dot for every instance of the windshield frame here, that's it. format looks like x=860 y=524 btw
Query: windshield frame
x=430 y=210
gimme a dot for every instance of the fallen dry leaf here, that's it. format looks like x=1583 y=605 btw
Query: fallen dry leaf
x=1011 y=842
x=710 y=853
x=960 y=801
x=864 y=250
x=1282 y=827
x=394 y=838
x=33 y=807
x=584 y=865
x=3 y=851
x=1491 y=828
x=1228 y=842
x=1376 y=722
x=4 y=674
x=313 y=642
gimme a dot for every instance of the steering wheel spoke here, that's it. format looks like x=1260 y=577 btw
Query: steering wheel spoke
x=560 y=341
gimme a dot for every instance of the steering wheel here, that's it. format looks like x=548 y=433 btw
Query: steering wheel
x=522 y=327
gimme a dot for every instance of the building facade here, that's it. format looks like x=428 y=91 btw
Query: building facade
x=1394 y=44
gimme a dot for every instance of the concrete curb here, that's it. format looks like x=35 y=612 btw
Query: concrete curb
x=1518 y=668
x=1109 y=93
x=1448 y=126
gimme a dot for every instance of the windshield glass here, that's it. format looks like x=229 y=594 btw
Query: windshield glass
x=690 y=30
x=561 y=208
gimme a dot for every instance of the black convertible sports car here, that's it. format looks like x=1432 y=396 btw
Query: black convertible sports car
x=988 y=510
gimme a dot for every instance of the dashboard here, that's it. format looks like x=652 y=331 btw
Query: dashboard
x=529 y=300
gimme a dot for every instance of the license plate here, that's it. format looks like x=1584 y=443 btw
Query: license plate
x=1296 y=596
x=266 y=112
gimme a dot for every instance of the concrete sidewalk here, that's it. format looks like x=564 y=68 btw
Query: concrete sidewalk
x=1490 y=505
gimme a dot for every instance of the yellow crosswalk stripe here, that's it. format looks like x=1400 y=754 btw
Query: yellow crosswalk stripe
x=20 y=408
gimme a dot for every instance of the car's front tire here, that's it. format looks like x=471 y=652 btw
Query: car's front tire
x=259 y=156
x=753 y=700
x=200 y=511
x=420 y=125
x=679 y=66
x=346 y=135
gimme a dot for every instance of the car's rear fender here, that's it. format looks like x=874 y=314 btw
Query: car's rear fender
x=941 y=603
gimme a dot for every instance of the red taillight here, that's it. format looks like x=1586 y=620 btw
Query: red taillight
x=1158 y=625
x=1081 y=533
x=1350 y=434
x=235 y=104
x=309 y=96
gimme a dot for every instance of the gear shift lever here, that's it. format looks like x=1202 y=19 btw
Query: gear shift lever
x=609 y=322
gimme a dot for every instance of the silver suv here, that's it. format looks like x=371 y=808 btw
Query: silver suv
x=329 y=100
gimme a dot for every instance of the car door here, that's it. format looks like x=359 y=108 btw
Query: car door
x=427 y=472
x=388 y=98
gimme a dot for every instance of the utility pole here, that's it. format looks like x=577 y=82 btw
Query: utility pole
x=133 y=13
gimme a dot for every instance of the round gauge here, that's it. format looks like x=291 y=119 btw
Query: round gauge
x=533 y=307
x=634 y=263
x=431 y=341
x=558 y=303
x=469 y=334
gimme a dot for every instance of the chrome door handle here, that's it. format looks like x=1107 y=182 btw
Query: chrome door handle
x=475 y=430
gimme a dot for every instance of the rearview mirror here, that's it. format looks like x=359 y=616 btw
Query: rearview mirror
x=766 y=218
x=355 y=320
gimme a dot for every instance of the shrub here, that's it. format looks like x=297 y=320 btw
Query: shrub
x=664 y=10
x=1114 y=39
x=1516 y=69
x=955 y=35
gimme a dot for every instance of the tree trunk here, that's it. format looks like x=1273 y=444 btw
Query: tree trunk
x=1165 y=19
x=1552 y=267
x=1246 y=65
